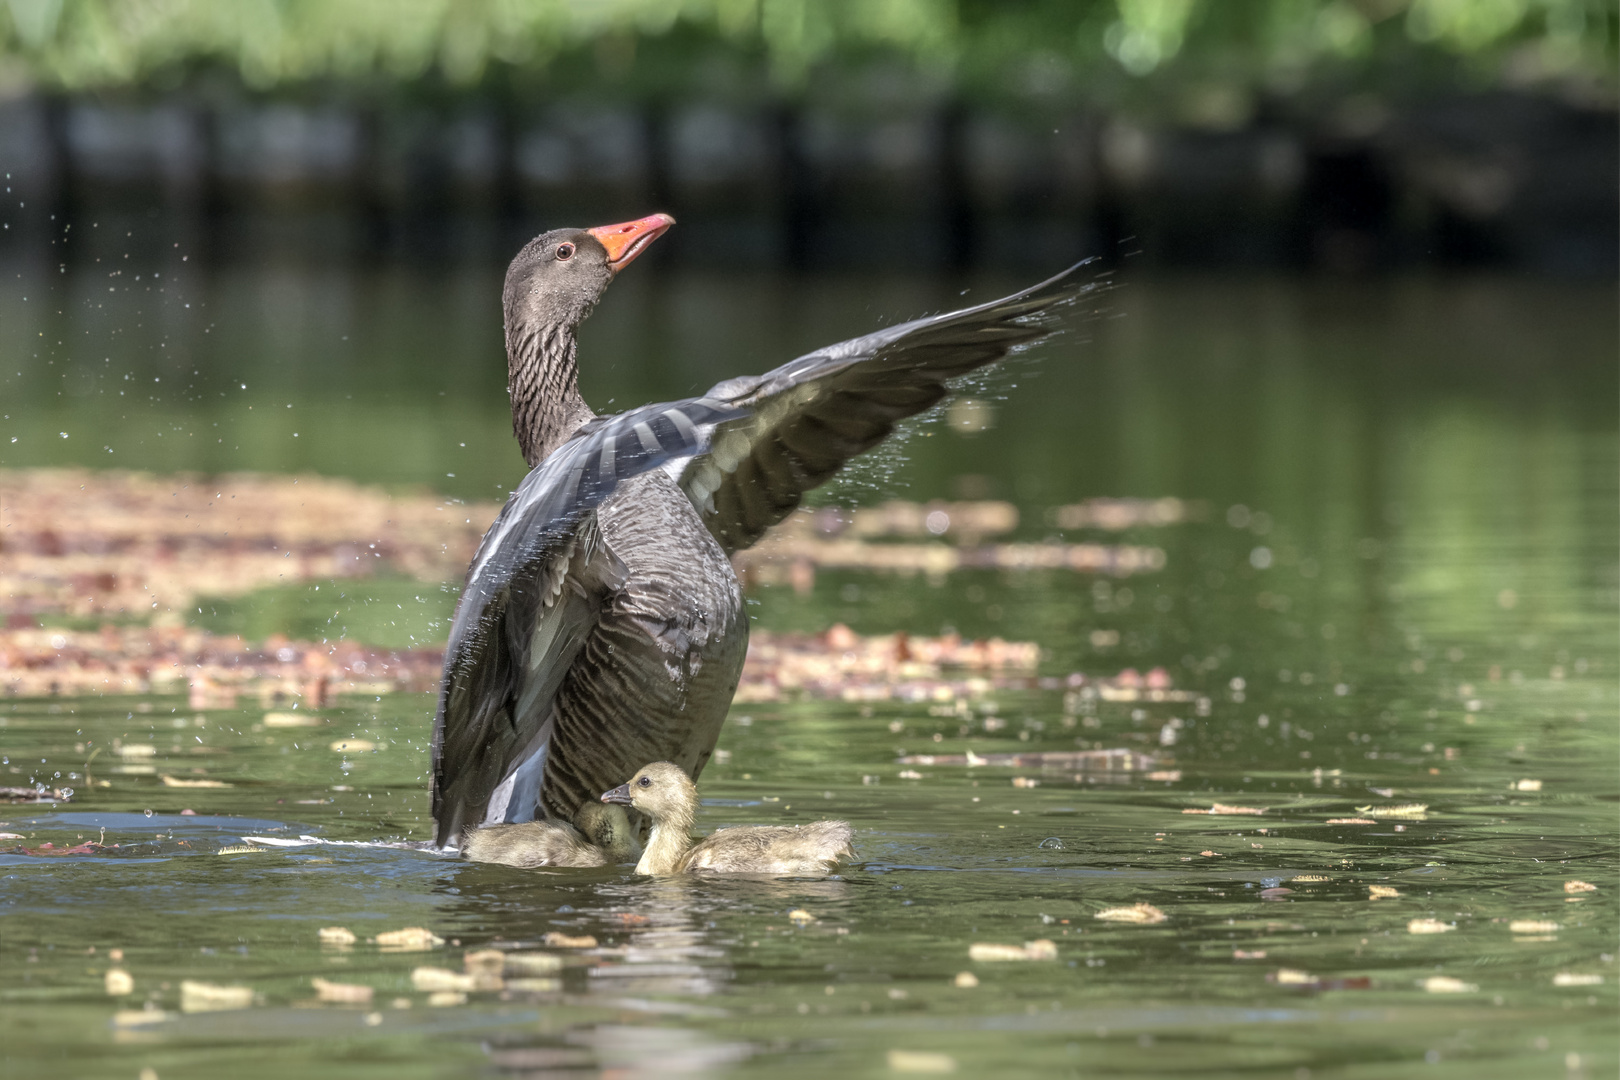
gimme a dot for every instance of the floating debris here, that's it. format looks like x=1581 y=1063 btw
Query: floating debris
x=81 y=542
x=1083 y=760
x=176 y=781
x=118 y=982
x=986 y=952
x=37 y=794
x=1429 y=926
x=558 y=940
x=335 y=935
x=1248 y=954
x=1350 y=821
x=1025 y=782
x=1527 y=785
x=1140 y=913
x=830 y=538
x=341 y=993
x=164 y=659
x=1223 y=809
x=965 y=980
x=240 y=849
x=446 y=999
x=801 y=917
x=207 y=997
x=1571 y=978
x=1445 y=984
x=1382 y=892
x=1310 y=879
x=920 y=1061
x=1115 y=515
x=1579 y=886
x=1532 y=926
x=354 y=746
x=410 y=939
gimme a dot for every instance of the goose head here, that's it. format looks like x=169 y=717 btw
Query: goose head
x=560 y=275
x=660 y=790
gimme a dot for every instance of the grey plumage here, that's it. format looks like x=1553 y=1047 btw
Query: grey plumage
x=601 y=626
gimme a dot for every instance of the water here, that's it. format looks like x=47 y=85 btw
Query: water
x=1404 y=591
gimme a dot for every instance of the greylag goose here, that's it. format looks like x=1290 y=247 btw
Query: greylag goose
x=601 y=625
x=669 y=798
x=600 y=835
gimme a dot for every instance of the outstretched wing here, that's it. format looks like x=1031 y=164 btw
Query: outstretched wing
x=533 y=593
x=810 y=416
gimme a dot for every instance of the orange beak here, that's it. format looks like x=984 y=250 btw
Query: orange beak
x=624 y=242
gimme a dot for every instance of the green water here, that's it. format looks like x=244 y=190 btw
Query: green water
x=1418 y=595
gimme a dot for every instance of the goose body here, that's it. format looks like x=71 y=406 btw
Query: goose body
x=665 y=794
x=600 y=836
x=601 y=625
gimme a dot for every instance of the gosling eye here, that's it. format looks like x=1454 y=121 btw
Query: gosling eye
x=565 y=252
x=645 y=781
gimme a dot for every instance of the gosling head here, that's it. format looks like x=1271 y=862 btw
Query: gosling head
x=608 y=827
x=660 y=790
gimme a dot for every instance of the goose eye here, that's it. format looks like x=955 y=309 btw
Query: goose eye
x=565 y=252
x=645 y=781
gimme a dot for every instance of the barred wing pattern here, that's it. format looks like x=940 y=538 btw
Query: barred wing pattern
x=533 y=593
x=808 y=417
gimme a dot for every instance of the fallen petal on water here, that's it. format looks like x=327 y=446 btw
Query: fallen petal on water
x=532 y=963
x=435 y=978
x=410 y=939
x=1579 y=886
x=129 y=1018
x=988 y=952
x=966 y=980
x=563 y=941
x=341 y=993
x=335 y=935
x=800 y=917
x=176 y=781
x=292 y=719
x=118 y=982
x=1429 y=926
x=1382 y=892
x=920 y=1061
x=1223 y=809
x=445 y=999
x=1533 y=926
x=1142 y=913
x=207 y=997
x=1572 y=978
x=1527 y=785
x=1445 y=984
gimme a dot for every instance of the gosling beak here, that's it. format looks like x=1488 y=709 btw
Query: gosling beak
x=625 y=241
x=620 y=795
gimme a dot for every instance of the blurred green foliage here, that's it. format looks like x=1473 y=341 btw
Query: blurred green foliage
x=1111 y=50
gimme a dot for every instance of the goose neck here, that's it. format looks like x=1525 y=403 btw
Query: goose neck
x=543 y=384
x=668 y=843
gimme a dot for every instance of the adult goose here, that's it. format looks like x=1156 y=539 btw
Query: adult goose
x=601 y=625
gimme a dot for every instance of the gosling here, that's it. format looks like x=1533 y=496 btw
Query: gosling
x=599 y=836
x=669 y=798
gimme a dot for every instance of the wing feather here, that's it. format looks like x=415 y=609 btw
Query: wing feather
x=811 y=415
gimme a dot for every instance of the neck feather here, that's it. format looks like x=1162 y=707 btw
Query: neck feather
x=670 y=839
x=543 y=383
